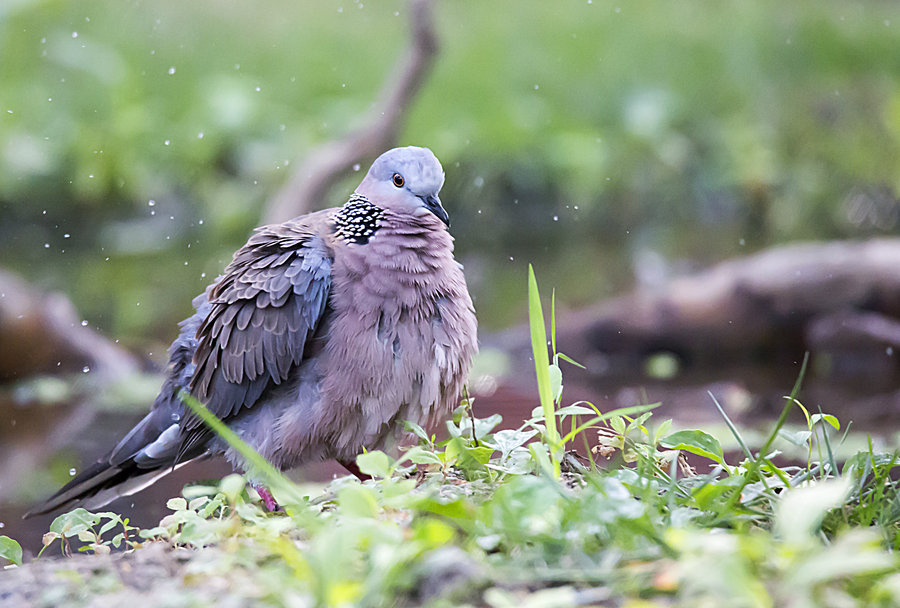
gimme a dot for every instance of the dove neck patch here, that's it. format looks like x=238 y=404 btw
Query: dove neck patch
x=357 y=220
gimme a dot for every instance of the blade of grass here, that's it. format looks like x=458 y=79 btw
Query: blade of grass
x=262 y=467
x=787 y=406
x=542 y=368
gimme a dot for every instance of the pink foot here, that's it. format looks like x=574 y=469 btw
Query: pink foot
x=267 y=498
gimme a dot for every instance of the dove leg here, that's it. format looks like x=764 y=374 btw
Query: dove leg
x=267 y=498
x=350 y=465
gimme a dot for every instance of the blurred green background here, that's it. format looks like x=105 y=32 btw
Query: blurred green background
x=607 y=142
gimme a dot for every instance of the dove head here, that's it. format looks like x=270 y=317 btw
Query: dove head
x=406 y=180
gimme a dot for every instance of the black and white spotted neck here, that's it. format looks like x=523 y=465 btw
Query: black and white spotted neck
x=357 y=220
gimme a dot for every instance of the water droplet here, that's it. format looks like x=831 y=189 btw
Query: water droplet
x=2 y=525
x=742 y=242
x=84 y=323
x=171 y=70
x=167 y=142
x=86 y=369
x=536 y=87
x=67 y=235
x=90 y=176
x=74 y=34
x=356 y=167
x=200 y=135
x=479 y=182
x=258 y=89
x=151 y=203
x=49 y=99
x=889 y=350
x=202 y=275
x=555 y=218
x=200 y=222
x=72 y=472
x=46 y=245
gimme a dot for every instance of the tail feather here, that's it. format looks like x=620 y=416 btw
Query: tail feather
x=99 y=476
x=100 y=484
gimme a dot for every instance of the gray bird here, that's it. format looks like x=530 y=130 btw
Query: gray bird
x=320 y=336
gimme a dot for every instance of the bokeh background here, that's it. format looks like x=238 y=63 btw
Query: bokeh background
x=611 y=144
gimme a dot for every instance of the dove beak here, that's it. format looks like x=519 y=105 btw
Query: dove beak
x=433 y=204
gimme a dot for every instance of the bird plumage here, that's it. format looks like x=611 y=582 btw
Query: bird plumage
x=319 y=337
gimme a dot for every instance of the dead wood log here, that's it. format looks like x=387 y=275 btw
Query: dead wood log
x=766 y=307
x=41 y=333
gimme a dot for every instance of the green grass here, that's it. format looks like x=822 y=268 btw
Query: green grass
x=511 y=517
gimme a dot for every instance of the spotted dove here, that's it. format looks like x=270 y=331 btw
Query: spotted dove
x=321 y=335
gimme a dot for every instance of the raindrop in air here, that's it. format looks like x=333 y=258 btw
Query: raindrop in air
x=356 y=167
x=171 y=70
x=86 y=369
x=84 y=323
x=72 y=472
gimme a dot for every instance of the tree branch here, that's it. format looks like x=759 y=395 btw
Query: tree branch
x=323 y=166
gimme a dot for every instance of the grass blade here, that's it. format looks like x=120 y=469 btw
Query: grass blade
x=260 y=466
x=542 y=367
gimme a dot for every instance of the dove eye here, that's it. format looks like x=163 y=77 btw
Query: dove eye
x=398 y=180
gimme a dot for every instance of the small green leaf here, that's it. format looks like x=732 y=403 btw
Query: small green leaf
x=795 y=437
x=467 y=459
x=357 y=500
x=832 y=420
x=177 y=504
x=556 y=384
x=569 y=359
x=74 y=522
x=232 y=486
x=420 y=455
x=375 y=463
x=696 y=442
x=10 y=550
x=800 y=513
x=112 y=523
x=415 y=429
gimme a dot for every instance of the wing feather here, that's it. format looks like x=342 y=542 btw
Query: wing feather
x=263 y=310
